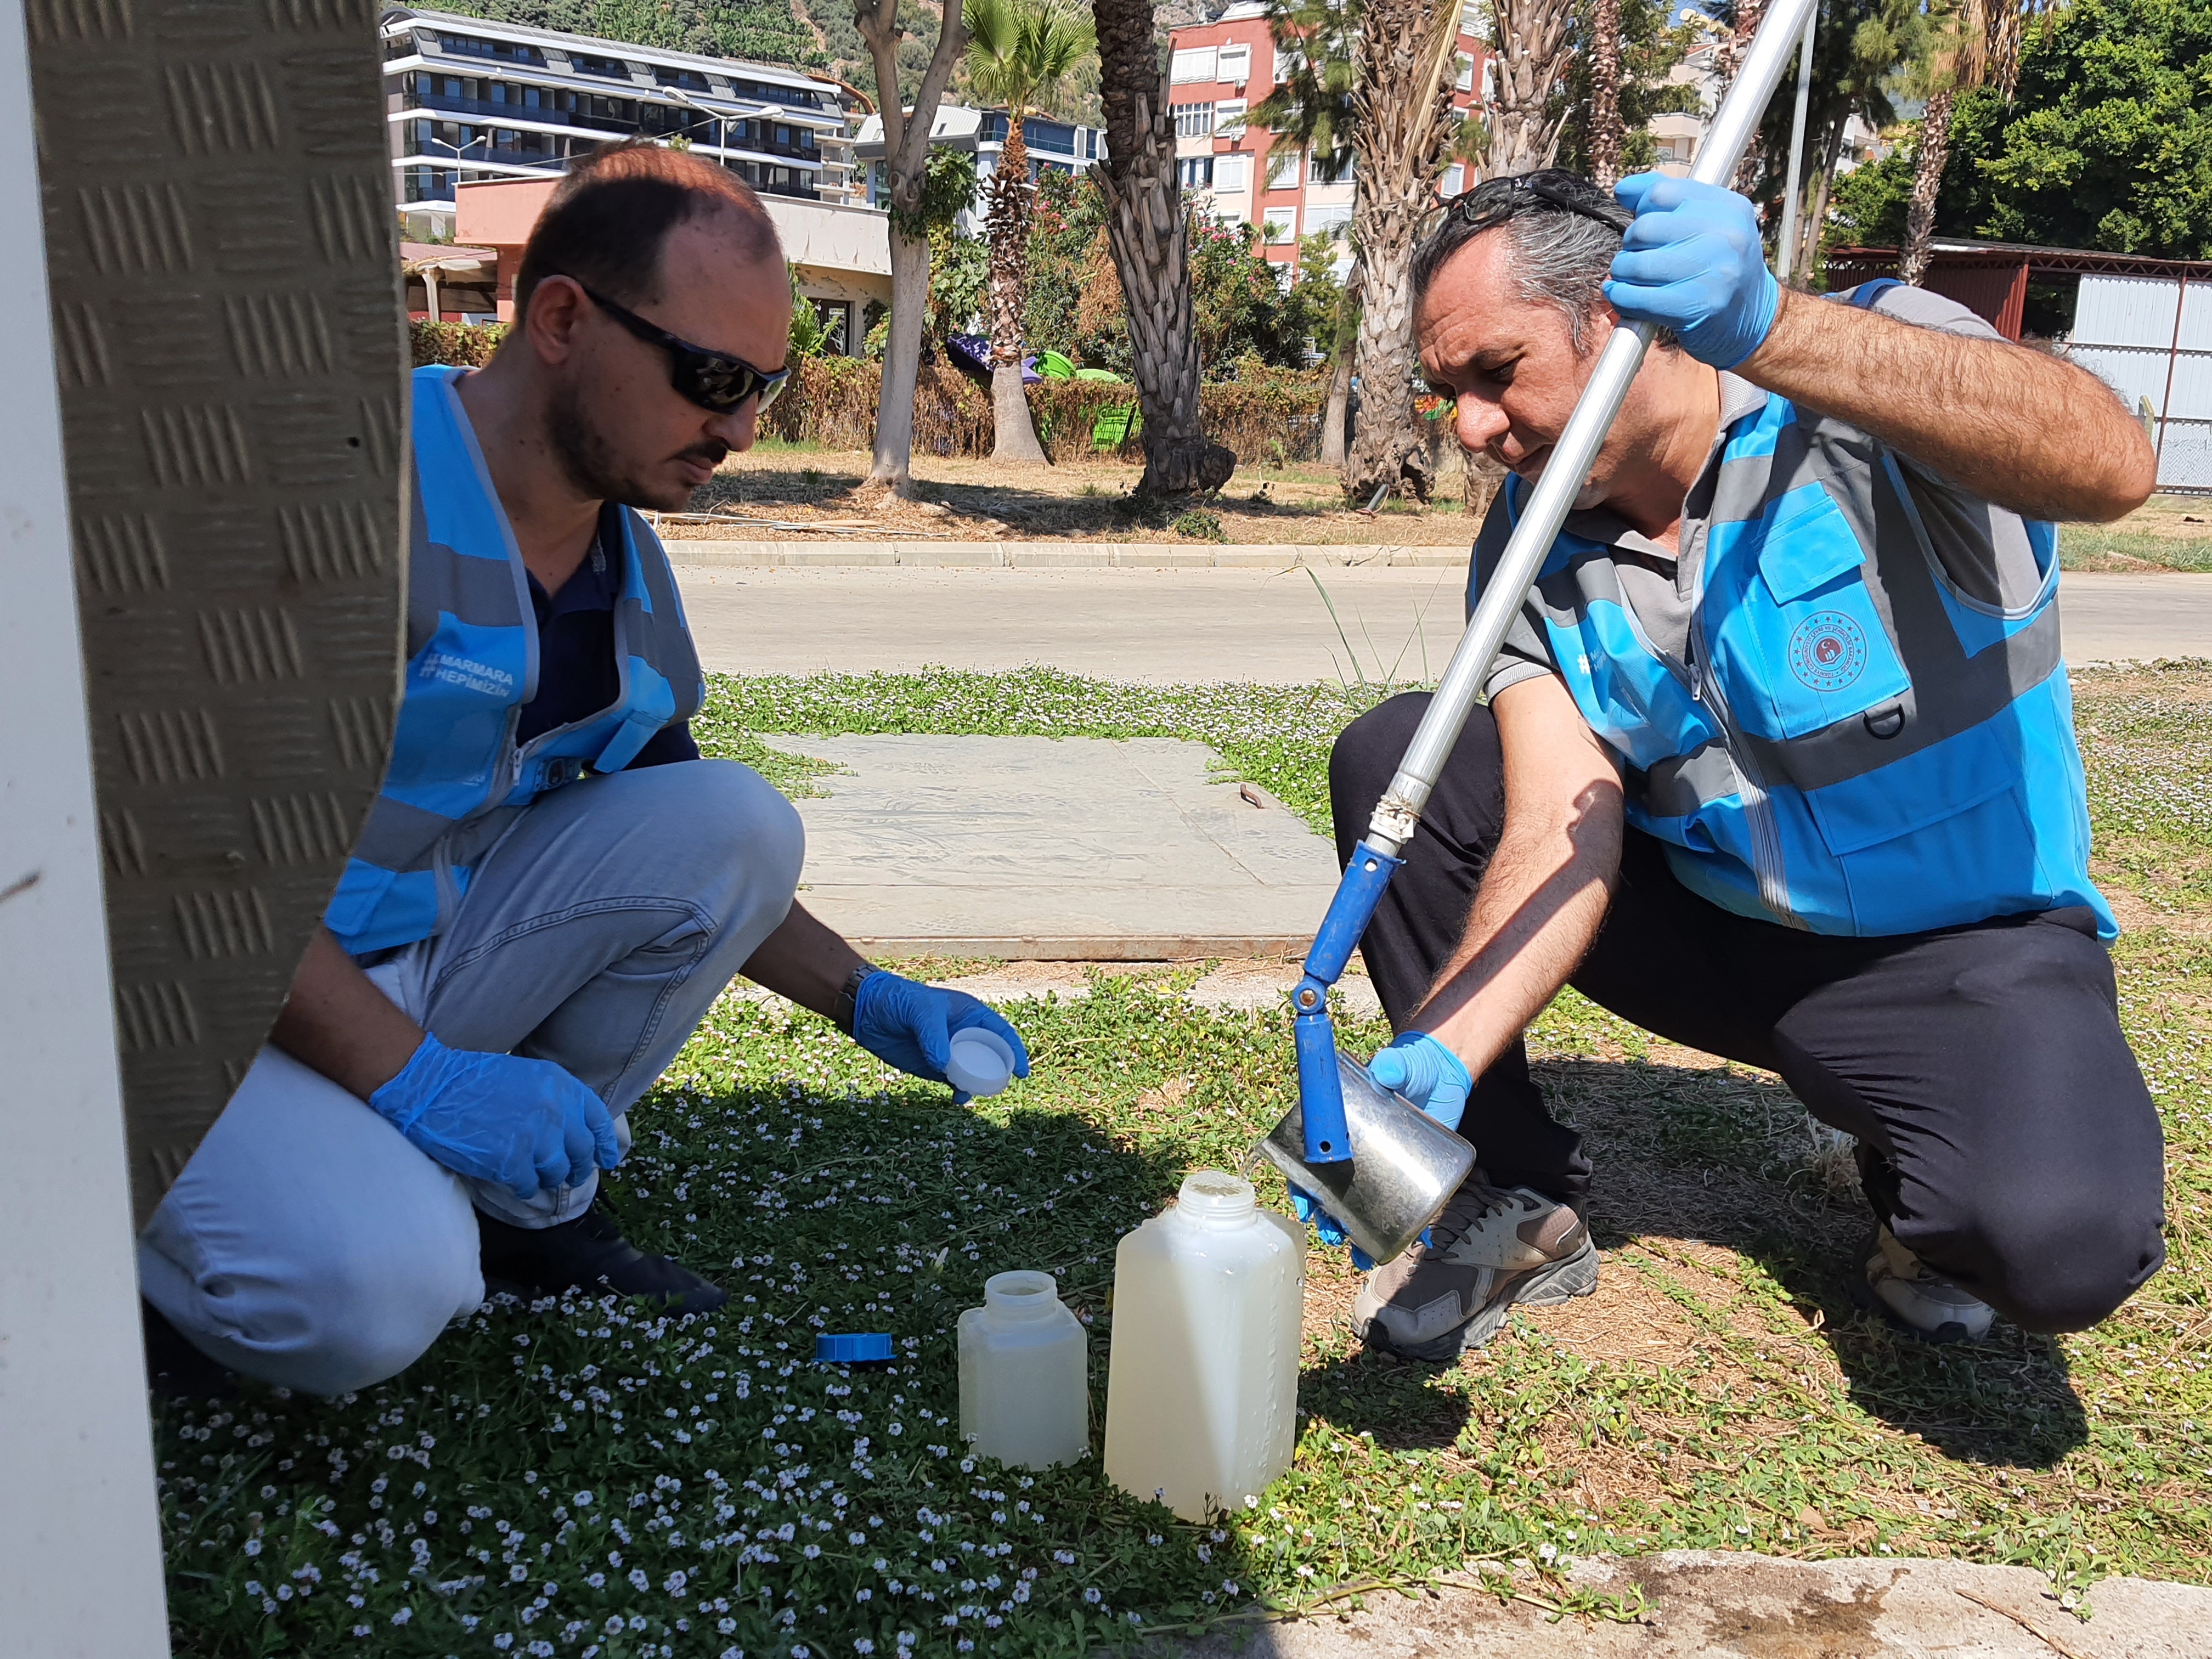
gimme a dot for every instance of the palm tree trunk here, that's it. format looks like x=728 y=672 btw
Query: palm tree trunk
x=1149 y=232
x=1748 y=15
x=1605 y=136
x=1816 y=197
x=1014 y=432
x=1403 y=103
x=1532 y=59
x=1927 y=178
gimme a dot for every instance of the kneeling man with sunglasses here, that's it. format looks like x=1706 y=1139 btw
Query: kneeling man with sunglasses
x=553 y=886
x=1778 y=762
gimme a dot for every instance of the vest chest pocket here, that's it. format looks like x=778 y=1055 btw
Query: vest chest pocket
x=1804 y=627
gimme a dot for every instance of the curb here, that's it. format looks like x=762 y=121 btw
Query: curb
x=1052 y=555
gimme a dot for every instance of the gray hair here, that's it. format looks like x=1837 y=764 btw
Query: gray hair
x=1560 y=256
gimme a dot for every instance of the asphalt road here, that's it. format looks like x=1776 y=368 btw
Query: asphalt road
x=1181 y=626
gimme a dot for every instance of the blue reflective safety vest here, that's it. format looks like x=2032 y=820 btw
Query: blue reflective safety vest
x=457 y=778
x=1850 y=744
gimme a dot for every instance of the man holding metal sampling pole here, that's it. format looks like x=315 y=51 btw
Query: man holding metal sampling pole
x=1778 y=762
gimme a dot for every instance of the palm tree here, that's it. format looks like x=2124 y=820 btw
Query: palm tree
x=906 y=159
x=1605 y=136
x=1017 y=50
x=1980 y=48
x=1148 y=228
x=1533 y=52
x=1402 y=124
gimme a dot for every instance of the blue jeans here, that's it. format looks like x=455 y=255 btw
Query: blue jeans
x=307 y=1243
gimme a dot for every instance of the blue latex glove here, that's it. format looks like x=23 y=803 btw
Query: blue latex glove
x=1692 y=261
x=1325 y=1226
x=910 y=1026
x=1427 y=1073
x=524 y=1123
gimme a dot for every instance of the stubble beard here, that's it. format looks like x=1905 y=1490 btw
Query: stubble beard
x=590 y=463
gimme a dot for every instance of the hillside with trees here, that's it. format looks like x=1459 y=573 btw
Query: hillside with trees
x=766 y=31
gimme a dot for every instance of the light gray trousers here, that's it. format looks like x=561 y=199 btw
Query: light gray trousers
x=307 y=1243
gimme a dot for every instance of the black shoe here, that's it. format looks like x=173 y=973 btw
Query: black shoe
x=175 y=1369
x=588 y=1254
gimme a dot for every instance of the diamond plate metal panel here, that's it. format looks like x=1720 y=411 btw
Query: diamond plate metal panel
x=223 y=271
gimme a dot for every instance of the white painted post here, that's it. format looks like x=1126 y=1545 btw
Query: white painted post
x=80 y=1537
x=1786 y=248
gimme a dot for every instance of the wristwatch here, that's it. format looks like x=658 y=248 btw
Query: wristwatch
x=848 y=996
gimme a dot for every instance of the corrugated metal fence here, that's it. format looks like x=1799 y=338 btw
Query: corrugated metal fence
x=2150 y=338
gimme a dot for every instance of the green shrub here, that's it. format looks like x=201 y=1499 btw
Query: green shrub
x=464 y=345
x=1201 y=526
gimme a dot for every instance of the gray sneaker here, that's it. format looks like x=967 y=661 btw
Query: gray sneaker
x=1487 y=1251
x=1899 y=1284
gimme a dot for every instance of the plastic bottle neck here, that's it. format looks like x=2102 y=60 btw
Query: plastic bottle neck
x=1021 y=1296
x=1214 y=1199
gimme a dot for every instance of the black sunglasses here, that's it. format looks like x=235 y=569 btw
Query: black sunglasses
x=714 y=380
x=1495 y=201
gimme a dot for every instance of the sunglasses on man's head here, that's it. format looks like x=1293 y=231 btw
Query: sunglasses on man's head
x=714 y=380
x=1495 y=201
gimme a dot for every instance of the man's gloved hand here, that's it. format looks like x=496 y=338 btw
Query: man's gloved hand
x=910 y=1026
x=1692 y=261
x=524 y=1123
x=1427 y=1073
x=1304 y=1206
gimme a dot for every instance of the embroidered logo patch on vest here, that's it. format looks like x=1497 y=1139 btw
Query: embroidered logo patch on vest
x=1828 y=651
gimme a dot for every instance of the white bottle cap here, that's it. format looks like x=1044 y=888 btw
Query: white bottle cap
x=980 y=1063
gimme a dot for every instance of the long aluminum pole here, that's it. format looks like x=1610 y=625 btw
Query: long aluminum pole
x=1785 y=249
x=1734 y=124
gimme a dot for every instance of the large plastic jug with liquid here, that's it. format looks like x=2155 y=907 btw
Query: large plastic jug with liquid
x=1024 y=1374
x=1203 y=1385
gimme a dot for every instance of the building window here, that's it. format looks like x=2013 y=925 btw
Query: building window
x=1231 y=173
x=610 y=69
x=1195 y=173
x=1280 y=226
x=1235 y=65
x=1283 y=168
x=1229 y=116
x=1465 y=81
x=1195 y=63
x=688 y=80
x=1332 y=221
x=462 y=45
x=1454 y=180
x=1193 y=121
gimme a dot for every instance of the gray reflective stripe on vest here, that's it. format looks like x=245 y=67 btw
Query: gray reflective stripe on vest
x=1951 y=692
x=404 y=838
x=1675 y=788
x=483 y=592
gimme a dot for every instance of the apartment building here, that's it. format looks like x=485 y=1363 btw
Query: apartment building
x=468 y=100
x=1218 y=70
x=1054 y=146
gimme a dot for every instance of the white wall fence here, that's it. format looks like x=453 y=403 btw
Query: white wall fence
x=2125 y=332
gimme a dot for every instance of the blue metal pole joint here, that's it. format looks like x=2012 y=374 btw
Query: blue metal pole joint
x=1320 y=1091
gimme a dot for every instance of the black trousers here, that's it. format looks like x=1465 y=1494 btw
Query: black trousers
x=2006 y=1134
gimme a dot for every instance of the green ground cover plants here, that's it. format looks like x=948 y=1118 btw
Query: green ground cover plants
x=581 y=1478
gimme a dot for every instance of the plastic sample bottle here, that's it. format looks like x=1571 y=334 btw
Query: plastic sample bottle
x=1202 y=1386
x=1024 y=1374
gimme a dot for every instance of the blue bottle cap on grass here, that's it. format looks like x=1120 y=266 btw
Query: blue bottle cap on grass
x=858 y=1349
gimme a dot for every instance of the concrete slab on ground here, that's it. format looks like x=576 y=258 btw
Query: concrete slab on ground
x=1167 y=626
x=1071 y=848
x=1710 y=1605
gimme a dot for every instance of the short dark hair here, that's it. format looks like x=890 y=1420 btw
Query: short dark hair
x=607 y=222
x=1564 y=231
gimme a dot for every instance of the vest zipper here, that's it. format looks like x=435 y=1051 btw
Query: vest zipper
x=1758 y=808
